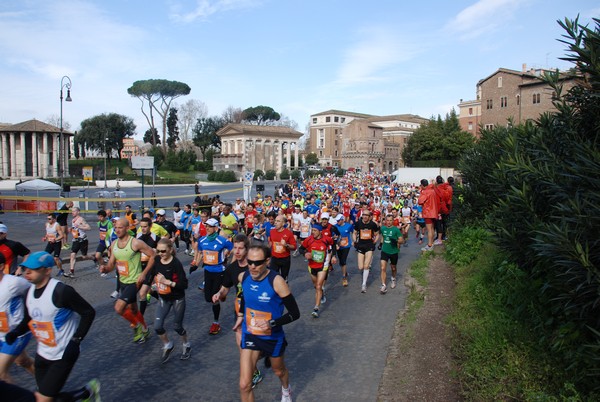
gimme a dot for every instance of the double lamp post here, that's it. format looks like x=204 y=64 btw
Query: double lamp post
x=65 y=82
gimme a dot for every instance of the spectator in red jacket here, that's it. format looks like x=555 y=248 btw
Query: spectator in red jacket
x=444 y=193
x=429 y=200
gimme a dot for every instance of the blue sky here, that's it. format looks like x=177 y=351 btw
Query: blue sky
x=298 y=56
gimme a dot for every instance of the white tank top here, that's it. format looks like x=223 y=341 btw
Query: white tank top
x=13 y=290
x=51 y=231
x=52 y=326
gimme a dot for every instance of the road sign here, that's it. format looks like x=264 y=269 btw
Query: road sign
x=142 y=162
x=88 y=173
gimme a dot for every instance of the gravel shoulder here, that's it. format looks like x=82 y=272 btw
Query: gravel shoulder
x=419 y=364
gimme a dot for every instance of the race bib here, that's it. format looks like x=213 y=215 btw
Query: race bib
x=50 y=237
x=43 y=331
x=123 y=268
x=161 y=288
x=252 y=316
x=3 y=322
x=75 y=233
x=343 y=242
x=406 y=219
x=317 y=255
x=278 y=248
x=296 y=226
x=305 y=228
x=102 y=235
x=365 y=234
x=210 y=257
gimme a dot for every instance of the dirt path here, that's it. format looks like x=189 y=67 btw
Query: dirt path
x=419 y=364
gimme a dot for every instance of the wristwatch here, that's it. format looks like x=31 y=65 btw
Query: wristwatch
x=272 y=323
x=77 y=339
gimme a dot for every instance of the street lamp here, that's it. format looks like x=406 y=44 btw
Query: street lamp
x=65 y=82
x=105 y=155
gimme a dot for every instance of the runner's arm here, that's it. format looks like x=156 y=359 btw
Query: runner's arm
x=66 y=296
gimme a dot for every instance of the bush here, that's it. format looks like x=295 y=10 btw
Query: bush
x=284 y=175
x=270 y=175
x=295 y=174
x=258 y=173
x=180 y=161
x=225 y=176
x=203 y=166
x=340 y=172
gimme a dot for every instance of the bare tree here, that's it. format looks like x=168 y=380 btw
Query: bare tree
x=188 y=114
x=55 y=121
x=285 y=121
x=232 y=115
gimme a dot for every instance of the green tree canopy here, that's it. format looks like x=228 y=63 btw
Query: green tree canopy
x=437 y=140
x=260 y=115
x=205 y=134
x=151 y=137
x=105 y=132
x=173 y=129
x=311 y=159
x=159 y=94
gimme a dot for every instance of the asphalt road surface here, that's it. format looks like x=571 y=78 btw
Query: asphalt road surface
x=337 y=357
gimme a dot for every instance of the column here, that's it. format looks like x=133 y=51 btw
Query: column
x=253 y=155
x=23 y=164
x=55 y=141
x=265 y=156
x=5 y=171
x=288 y=155
x=296 y=161
x=272 y=156
x=66 y=148
x=278 y=156
x=13 y=156
x=45 y=156
x=34 y=154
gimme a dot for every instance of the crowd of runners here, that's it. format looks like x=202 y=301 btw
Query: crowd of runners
x=244 y=246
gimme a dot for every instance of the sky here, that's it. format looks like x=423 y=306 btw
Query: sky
x=299 y=57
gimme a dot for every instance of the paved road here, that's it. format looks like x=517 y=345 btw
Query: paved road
x=338 y=357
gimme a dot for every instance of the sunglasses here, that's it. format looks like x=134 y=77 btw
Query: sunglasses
x=161 y=251
x=256 y=262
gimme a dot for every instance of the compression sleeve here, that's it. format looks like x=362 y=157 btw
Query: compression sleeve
x=65 y=296
x=293 y=311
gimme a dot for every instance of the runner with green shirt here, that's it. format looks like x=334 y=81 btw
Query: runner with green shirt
x=392 y=240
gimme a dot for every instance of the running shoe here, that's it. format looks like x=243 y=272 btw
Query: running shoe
x=345 y=281
x=257 y=377
x=191 y=253
x=393 y=285
x=93 y=388
x=186 y=252
x=215 y=328
x=60 y=273
x=166 y=353
x=363 y=289
x=383 y=289
x=438 y=243
x=323 y=298
x=69 y=274
x=114 y=294
x=145 y=336
x=201 y=286
x=286 y=394
x=103 y=275
x=186 y=354
x=427 y=248
x=137 y=333
x=315 y=313
x=66 y=247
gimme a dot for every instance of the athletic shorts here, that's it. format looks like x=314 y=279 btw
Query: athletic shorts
x=128 y=293
x=51 y=375
x=53 y=249
x=315 y=271
x=278 y=264
x=296 y=233
x=431 y=221
x=269 y=347
x=80 y=245
x=101 y=247
x=342 y=255
x=212 y=284
x=392 y=258
x=17 y=347
x=365 y=248
x=422 y=224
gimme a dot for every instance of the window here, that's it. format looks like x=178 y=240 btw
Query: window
x=471 y=125
x=314 y=120
x=336 y=153
x=343 y=119
x=336 y=131
x=470 y=111
x=489 y=104
x=373 y=133
x=489 y=126
x=328 y=119
x=499 y=82
x=321 y=154
x=503 y=101
x=518 y=100
x=335 y=143
x=536 y=98
x=321 y=138
x=336 y=119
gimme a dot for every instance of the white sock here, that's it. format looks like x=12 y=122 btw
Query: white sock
x=365 y=276
x=168 y=345
x=187 y=345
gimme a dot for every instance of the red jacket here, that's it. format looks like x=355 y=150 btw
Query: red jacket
x=430 y=202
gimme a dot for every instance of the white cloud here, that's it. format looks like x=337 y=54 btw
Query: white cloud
x=484 y=16
x=206 y=8
x=379 y=49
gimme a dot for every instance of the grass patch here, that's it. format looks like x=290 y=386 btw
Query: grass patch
x=499 y=355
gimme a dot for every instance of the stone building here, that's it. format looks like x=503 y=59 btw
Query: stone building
x=510 y=95
x=30 y=150
x=251 y=147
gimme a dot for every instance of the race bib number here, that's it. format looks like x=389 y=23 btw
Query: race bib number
x=43 y=331
x=161 y=288
x=305 y=229
x=75 y=233
x=51 y=237
x=365 y=234
x=296 y=226
x=406 y=219
x=210 y=257
x=3 y=322
x=343 y=242
x=102 y=235
x=123 y=268
x=251 y=320
x=278 y=248
x=317 y=255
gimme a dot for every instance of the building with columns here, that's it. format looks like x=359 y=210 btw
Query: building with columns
x=251 y=147
x=30 y=150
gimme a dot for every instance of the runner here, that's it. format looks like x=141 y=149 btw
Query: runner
x=405 y=222
x=104 y=226
x=344 y=231
x=177 y=214
x=126 y=256
x=161 y=221
x=80 y=241
x=391 y=238
x=145 y=234
x=62 y=221
x=49 y=302
x=281 y=241
x=317 y=246
x=170 y=281
x=366 y=234
x=229 y=223
x=11 y=250
x=53 y=238
x=13 y=291
x=131 y=218
x=264 y=296
x=215 y=250
x=186 y=218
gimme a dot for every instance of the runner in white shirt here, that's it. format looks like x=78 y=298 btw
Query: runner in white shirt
x=296 y=222
x=53 y=238
x=177 y=213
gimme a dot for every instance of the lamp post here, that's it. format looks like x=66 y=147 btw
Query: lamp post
x=105 y=156
x=65 y=82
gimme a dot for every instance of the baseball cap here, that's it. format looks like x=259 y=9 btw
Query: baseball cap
x=340 y=217
x=325 y=215
x=161 y=212
x=37 y=260
x=176 y=204
x=3 y=228
x=212 y=222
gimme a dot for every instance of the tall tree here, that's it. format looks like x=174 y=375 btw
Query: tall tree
x=173 y=129
x=189 y=113
x=55 y=121
x=205 y=134
x=151 y=137
x=105 y=132
x=159 y=94
x=260 y=116
x=232 y=115
x=311 y=159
